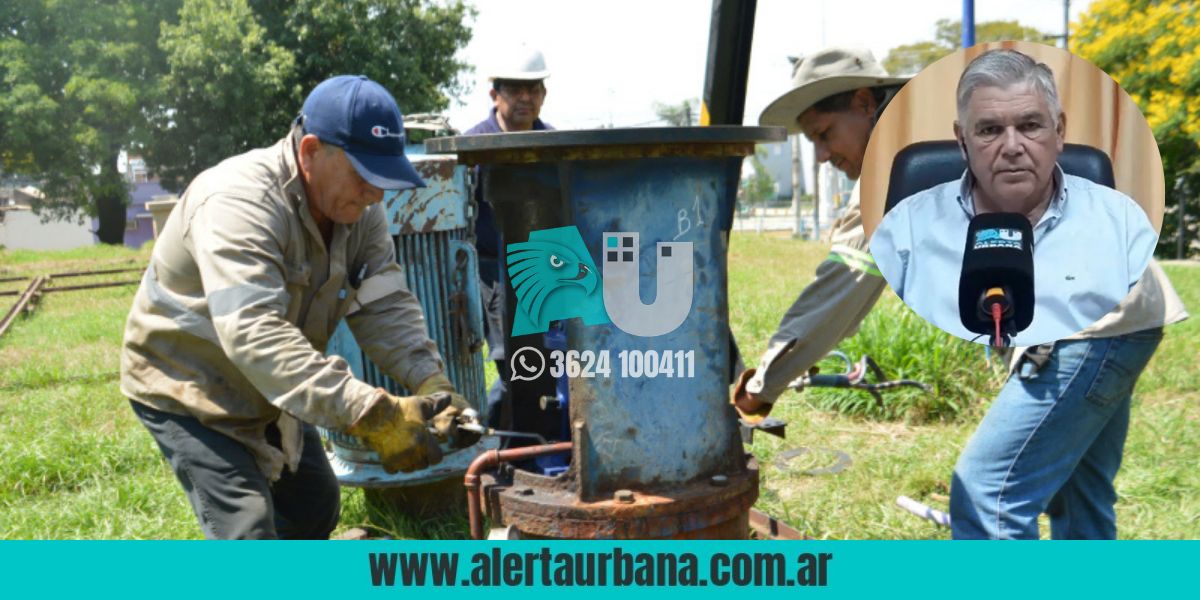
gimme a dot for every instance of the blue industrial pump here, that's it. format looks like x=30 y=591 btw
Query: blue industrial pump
x=433 y=229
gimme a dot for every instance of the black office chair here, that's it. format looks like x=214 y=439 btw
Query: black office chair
x=923 y=165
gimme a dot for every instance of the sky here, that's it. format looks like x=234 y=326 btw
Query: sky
x=611 y=61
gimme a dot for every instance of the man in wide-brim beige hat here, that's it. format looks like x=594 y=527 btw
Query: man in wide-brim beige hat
x=821 y=75
x=845 y=87
x=837 y=95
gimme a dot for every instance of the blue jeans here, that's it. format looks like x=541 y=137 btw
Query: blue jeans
x=1052 y=442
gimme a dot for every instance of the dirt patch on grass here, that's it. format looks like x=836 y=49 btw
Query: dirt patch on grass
x=1187 y=401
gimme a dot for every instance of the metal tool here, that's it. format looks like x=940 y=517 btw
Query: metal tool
x=854 y=377
x=469 y=421
x=770 y=425
x=923 y=511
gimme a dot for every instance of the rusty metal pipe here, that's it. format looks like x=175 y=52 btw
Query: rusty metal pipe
x=28 y=297
x=98 y=272
x=91 y=286
x=73 y=274
x=773 y=529
x=88 y=286
x=490 y=459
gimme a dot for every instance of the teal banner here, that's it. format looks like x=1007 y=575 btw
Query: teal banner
x=450 y=569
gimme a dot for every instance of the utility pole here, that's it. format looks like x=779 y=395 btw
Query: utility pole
x=731 y=35
x=799 y=227
x=816 y=197
x=1066 y=23
x=1180 y=246
x=968 y=23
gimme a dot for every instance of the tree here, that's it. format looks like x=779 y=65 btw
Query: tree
x=911 y=58
x=223 y=91
x=191 y=82
x=760 y=186
x=408 y=46
x=253 y=61
x=76 y=75
x=1152 y=49
x=678 y=115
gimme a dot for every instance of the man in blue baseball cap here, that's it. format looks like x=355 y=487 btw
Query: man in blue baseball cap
x=357 y=115
x=223 y=358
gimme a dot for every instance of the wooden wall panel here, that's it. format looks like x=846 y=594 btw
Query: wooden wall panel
x=1099 y=113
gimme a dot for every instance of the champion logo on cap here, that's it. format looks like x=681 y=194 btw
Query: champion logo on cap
x=360 y=117
x=380 y=131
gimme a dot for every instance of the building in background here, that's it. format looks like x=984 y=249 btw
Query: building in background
x=834 y=195
x=139 y=224
x=21 y=229
x=778 y=162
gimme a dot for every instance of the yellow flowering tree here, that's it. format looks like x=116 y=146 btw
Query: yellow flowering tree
x=1152 y=48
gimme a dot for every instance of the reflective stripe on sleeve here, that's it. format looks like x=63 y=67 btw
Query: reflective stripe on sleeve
x=187 y=319
x=232 y=299
x=855 y=259
x=377 y=287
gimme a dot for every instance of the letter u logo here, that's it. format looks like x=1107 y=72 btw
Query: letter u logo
x=622 y=288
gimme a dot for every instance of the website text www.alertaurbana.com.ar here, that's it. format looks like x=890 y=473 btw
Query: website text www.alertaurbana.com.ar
x=607 y=568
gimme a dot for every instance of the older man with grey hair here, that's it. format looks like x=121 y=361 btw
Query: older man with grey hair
x=1053 y=438
x=1091 y=243
x=223 y=359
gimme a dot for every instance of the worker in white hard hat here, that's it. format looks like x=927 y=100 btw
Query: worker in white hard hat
x=518 y=90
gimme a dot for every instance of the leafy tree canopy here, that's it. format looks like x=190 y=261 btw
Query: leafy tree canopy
x=246 y=66
x=188 y=83
x=1153 y=50
x=683 y=114
x=77 y=77
x=911 y=58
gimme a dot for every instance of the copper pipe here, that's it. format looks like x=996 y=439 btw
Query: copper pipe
x=490 y=459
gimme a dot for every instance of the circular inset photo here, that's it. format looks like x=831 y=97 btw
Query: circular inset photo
x=1012 y=194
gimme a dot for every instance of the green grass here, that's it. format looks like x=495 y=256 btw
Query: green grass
x=766 y=275
x=76 y=463
x=905 y=346
x=910 y=447
x=34 y=262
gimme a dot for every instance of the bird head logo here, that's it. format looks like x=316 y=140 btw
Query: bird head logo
x=552 y=275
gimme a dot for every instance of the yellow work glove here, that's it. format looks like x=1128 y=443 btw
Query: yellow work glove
x=397 y=429
x=749 y=408
x=445 y=423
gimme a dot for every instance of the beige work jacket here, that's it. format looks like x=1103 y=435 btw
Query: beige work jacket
x=241 y=296
x=829 y=310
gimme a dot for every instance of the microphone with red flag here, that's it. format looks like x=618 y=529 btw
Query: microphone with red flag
x=995 y=291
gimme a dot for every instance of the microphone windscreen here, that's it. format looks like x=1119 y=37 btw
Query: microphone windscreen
x=999 y=253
